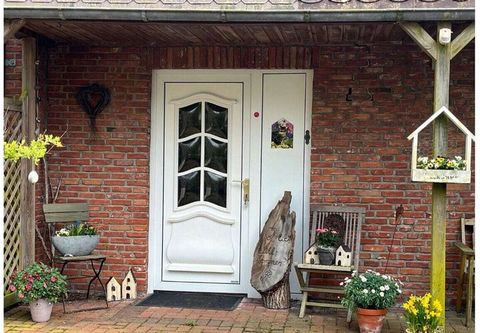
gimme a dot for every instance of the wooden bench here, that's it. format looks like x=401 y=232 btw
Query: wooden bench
x=350 y=229
x=65 y=213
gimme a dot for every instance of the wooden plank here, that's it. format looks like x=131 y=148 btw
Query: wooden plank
x=333 y=290
x=325 y=304
x=319 y=268
x=441 y=176
x=27 y=228
x=462 y=40
x=66 y=217
x=465 y=249
x=421 y=37
x=65 y=207
x=83 y=258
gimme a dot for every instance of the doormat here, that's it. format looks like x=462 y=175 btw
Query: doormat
x=178 y=299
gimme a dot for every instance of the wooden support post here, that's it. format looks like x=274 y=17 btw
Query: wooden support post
x=441 y=55
x=27 y=222
x=439 y=190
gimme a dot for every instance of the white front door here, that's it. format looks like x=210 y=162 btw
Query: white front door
x=211 y=129
x=203 y=170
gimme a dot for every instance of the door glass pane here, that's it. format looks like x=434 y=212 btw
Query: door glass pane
x=216 y=189
x=189 y=154
x=216 y=154
x=190 y=120
x=188 y=188
x=204 y=120
x=216 y=120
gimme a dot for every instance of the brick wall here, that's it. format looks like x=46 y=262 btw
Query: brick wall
x=360 y=154
x=107 y=168
x=12 y=74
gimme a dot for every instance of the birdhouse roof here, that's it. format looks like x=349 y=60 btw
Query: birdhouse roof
x=450 y=116
x=345 y=248
x=112 y=280
x=311 y=245
x=131 y=276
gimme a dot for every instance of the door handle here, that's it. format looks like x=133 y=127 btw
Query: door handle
x=245 y=189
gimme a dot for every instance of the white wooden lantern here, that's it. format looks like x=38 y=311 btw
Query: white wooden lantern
x=129 y=286
x=311 y=255
x=343 y=256
x=114 y=290
x=442 y=176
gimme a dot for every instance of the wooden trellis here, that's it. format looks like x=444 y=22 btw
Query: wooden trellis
x=12 y=195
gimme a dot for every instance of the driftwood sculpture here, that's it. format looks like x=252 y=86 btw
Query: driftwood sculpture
x=273 y=256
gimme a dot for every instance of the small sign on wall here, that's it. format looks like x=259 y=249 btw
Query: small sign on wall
x=282 y=134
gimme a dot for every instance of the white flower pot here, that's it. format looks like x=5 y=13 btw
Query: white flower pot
x=40 y=310
x=75 y=245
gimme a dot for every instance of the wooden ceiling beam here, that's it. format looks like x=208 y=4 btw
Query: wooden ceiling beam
x=462 y=40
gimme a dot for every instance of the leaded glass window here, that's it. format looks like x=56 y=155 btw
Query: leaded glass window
x=202 y=154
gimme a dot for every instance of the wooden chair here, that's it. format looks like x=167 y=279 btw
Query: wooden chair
x=348 y=222
x=65 y=213
x=466 y=268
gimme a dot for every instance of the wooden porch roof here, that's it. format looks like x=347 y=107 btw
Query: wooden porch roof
x=157 y=34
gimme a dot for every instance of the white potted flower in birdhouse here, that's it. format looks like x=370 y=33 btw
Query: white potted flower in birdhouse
x=343 y=256
x=311 y=255
x=442 y=169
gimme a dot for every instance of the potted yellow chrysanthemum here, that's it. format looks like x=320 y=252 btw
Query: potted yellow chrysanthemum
x=423 y=314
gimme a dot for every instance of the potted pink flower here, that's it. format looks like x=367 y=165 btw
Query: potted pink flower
x=327 y=242
x=40 y=286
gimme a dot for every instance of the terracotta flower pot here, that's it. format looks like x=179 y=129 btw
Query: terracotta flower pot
x=371 y=320
x=41 y=310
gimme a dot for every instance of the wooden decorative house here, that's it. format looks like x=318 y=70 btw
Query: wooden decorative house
x=114 y=290
x=343 y=256
x=311 y=255
x=129 y=286
x=440 y=175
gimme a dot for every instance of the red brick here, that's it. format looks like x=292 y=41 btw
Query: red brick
x=360 y=156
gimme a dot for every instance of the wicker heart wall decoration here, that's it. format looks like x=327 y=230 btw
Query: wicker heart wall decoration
x=93 y=99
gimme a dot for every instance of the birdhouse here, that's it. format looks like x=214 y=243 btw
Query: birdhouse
x=114 y=290
x=425 y=170
x=129 y=286
x=311 y=255
x=343 y=256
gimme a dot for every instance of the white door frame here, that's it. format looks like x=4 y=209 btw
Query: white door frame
x=252 y=135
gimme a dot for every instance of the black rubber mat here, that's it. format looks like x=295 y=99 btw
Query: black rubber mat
x=177 y=299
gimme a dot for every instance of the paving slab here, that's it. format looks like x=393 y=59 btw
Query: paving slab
x=249 y=317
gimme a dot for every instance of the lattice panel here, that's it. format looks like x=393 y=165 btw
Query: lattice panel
x=12 y=197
